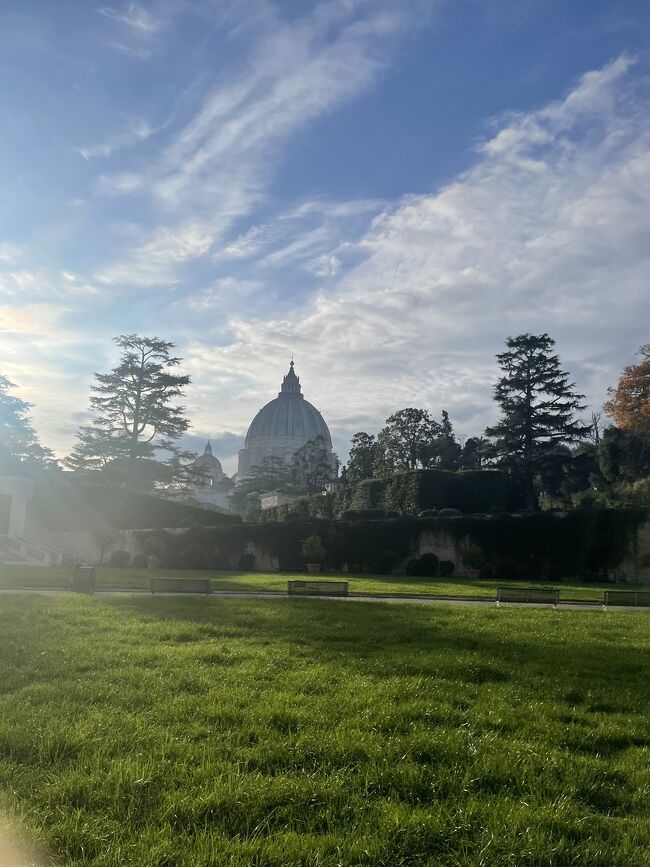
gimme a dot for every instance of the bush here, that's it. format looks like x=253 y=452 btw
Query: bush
x=139 y=561
x=450 y=513
x=349 y=515
x=425 y=566
x=428 y=513
x=388 y=560
x=120 y=559
x=413 y=567
x=370 y=514
x=446 y=568
x=247 y=561
x=392 y=515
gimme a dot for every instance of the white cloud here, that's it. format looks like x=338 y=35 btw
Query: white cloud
x=217 y=166
x=547 y=232
x=136 y=130
x=133 y=15
x=10 y=251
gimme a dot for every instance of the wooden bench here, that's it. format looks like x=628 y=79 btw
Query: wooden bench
x=180 y=585
x=317 y=588
x=635 y=599
x=539 y=595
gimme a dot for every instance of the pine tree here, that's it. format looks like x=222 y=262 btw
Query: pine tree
x=538 y=407
x=18 y=438
x=135 y=416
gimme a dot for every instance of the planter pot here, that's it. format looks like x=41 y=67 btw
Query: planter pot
x=313 y=568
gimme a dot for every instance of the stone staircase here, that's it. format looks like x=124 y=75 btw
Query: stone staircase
x=18 y=551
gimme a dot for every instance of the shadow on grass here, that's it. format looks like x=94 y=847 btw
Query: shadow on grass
x=592 y=648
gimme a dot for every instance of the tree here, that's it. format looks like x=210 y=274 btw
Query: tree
x=538 y=407
x=362 y=458
x=18 y=438
x=443 y=452
x=311 y=467
x=402 y=443
x=623 y=455
x=475 y=454
x=135 y=414
x=629 y=402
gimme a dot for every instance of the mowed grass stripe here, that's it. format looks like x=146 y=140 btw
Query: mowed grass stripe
x=192 y=731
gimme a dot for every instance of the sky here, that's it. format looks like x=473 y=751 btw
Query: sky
x=383 y=189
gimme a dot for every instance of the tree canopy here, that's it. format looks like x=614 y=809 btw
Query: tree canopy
x=629 y=402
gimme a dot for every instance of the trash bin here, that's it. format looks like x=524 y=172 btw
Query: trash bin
x=83 y=579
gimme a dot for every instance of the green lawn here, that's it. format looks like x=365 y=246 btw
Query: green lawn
x=164 y=732
x=59 y=576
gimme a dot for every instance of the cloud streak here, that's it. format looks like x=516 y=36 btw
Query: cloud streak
x=546 y=232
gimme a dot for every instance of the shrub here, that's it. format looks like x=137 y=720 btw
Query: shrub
x=349 y=515
x=370 y=514
x=428 y=513
x=425 y=566
x=247 y=561
x=392 y=515
x=413 y=567
x=312 y=549
x=473 y=557
x=450 y=513
x=139 y=561
x=446 y=568
x=120 y=559
x=388 y=560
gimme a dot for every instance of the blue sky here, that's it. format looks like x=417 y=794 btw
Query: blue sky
x=383 y=189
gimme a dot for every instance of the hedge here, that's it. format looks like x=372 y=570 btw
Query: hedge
x=409 y=493
x=544 y=546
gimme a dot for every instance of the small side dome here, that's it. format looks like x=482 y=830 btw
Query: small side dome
x=208 y=462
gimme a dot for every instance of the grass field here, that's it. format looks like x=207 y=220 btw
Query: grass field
x=182 y=732
x=107 y=577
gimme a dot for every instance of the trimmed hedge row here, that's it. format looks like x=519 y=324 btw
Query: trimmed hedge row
x=524 y=546
x=409 y=493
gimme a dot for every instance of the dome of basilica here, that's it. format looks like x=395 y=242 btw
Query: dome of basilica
x=289 y=415
x=282 y=426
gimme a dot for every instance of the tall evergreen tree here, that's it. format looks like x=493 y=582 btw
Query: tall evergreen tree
x=135 y=414
x=362 y=458
x=18 y=438
x=538 y=407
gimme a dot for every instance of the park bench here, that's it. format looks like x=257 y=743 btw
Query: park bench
x=180 y=585
x=317 y=588
x=636 y=599
x=83 y=579
x=539 y=595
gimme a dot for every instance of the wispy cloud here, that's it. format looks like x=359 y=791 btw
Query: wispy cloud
x=9 y=251
x=136 y=130
x=546 y=232
x=218 y=165
x=133 y=15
